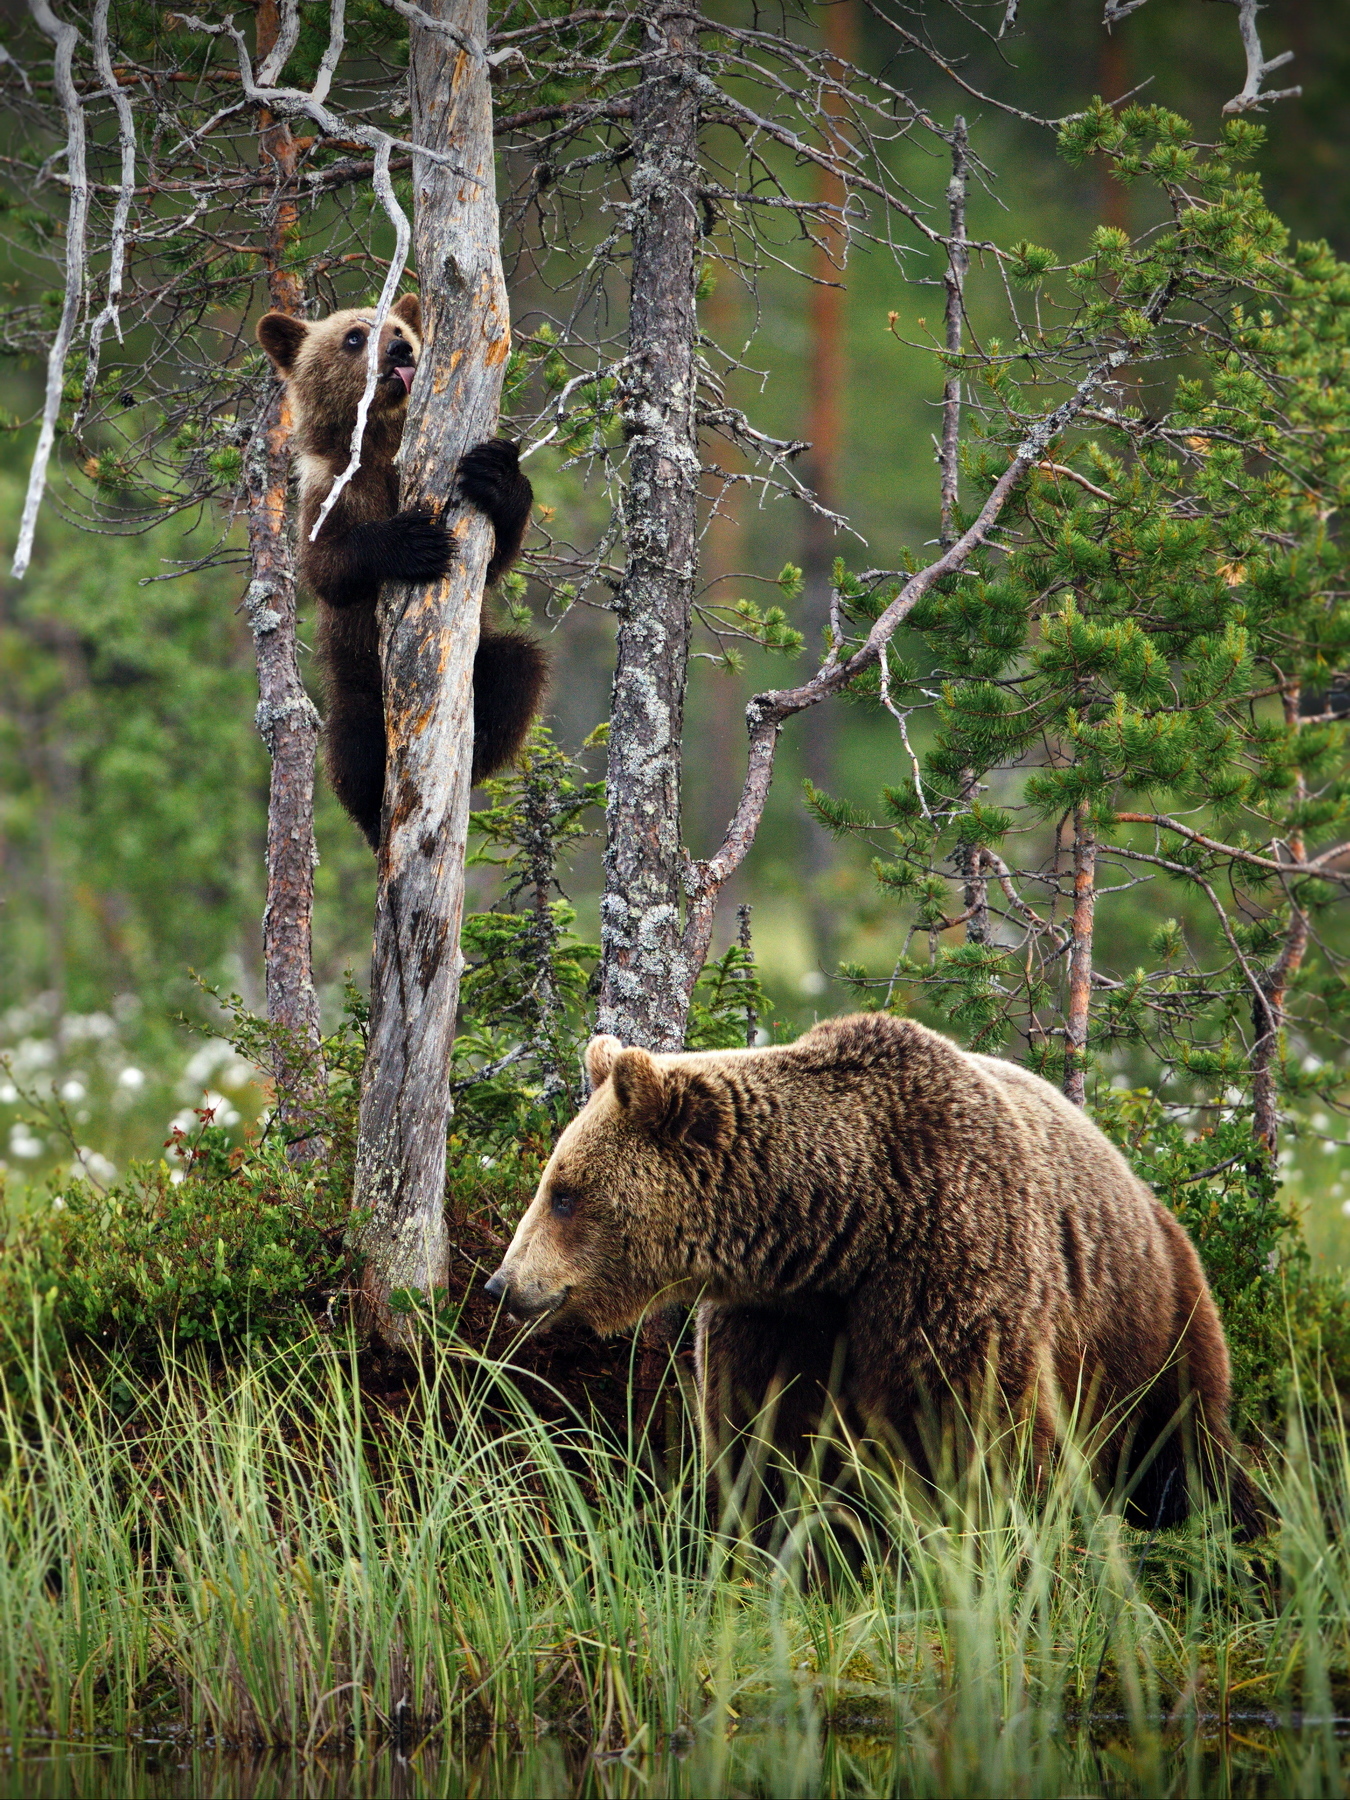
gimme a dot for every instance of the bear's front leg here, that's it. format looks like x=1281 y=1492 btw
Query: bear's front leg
x=770 y=1382
x=349 y=569
x=490 y=478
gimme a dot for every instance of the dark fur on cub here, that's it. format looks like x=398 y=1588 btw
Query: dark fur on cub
x=366 y=540
x=874 y=1217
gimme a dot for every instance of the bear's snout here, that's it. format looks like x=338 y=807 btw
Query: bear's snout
x=523 y=1300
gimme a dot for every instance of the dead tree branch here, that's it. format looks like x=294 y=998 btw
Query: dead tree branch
x=65 y=37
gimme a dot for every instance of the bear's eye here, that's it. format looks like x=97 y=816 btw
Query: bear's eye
x=564 y=1205
x=354 y=339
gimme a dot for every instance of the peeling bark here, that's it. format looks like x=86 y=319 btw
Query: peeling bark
x=428 y=636
x=645 y=974
x=286 y=717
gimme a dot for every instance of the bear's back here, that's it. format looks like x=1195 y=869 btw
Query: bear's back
x=957 y=1110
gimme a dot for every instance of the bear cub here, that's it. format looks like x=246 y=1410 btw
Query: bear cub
x=873 y=1221
x=366 y=540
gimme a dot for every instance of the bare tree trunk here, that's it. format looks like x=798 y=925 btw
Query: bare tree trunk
x=1080 y=955
x=1269 y=1013
x=644 y=980
x=970 y=857
x=958 y=266
x=286 y=717
x=428 y=637
x=827 y=384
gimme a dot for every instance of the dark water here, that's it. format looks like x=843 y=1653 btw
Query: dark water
x=1252 y=1757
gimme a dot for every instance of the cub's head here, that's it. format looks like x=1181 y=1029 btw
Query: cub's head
x=623 y=1212
x=324 y=363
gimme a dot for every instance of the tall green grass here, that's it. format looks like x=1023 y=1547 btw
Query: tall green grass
x=264 y=1557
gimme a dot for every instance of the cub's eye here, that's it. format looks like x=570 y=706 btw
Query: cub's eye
x=354 y=340
x=564 y=1205
x=398 y=334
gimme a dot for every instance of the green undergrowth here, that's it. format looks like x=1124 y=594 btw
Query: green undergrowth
x=260 y=1555
x=1220 y=1185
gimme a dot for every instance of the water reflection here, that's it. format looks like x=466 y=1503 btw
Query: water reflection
x=1252 y=1759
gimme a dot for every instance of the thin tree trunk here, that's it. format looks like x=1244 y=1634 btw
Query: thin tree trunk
x=970 y=857
x=827 y=379
x=958 y=265
x=716 y=756
x=1269 y=1014
x=1080 y=955
x=428 y=637
x=286 y=717
x=644 y=980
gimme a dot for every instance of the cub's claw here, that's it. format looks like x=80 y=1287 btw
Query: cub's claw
x=419 y=548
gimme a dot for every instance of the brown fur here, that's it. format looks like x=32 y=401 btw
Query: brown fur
x=366 y=540
x=875 y=1217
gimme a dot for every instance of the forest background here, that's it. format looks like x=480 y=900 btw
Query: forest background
x=133 y=782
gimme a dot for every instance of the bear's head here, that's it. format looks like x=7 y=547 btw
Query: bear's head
x=624 y=1210
x=324 y=364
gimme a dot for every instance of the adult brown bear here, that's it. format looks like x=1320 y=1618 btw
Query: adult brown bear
x=874 y=1217
x=366 y=540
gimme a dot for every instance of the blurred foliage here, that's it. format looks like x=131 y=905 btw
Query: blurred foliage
x=126 y=751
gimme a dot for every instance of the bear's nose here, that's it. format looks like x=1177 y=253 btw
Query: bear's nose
x=497 y=1286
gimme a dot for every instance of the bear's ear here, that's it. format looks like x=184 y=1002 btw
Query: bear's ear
x=600 y=1054
x=677 y=1105
x=281 y=337
x=637 y=1083
x=409 y=309
x=697 y=1110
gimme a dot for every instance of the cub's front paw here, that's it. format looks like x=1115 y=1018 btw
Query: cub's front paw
x=418 y=548
x=490 y=479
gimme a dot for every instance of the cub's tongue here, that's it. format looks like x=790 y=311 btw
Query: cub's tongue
x=405 y=374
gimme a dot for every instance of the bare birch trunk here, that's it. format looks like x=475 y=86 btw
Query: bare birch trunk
x=645 y=980
x=1269 y=1014
x=1080 y=955
x=286 y=717
x=428 y=637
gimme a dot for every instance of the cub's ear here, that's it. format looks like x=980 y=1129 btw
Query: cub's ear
x=600 y=1054
x=409 y=309
x=281 y=337
x=676 y=1105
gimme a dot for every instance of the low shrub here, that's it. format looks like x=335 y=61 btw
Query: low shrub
x=1220 y=1184
x=242 y=1244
